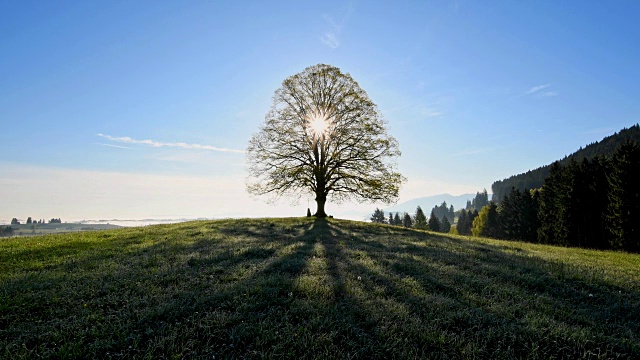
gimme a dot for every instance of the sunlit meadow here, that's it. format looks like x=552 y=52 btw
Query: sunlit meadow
x=305 y=288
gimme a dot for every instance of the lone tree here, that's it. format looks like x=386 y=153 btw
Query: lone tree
x=324 y=137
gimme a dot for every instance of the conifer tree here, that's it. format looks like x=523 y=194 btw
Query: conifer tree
x=391 y=222
x=378 y=216
x=420 y=219
x=445 y=225
x=553 y=228
x=462 y=219
x=406 y=220
x=396 y=220
x=434 y=223
x=624 y=197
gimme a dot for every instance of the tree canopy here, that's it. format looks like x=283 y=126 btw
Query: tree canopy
x=323 y=136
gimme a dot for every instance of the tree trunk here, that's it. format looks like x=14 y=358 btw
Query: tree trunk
x=321 y=199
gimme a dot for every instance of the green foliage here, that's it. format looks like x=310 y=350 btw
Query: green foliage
x=487 y=223
x=29 y=220
x=396 y=220
x=406 y=221
x=465 y=221
x=479 y=201
x=444 y=210
x=434 y=223
x=309 y=288
x=378 y=217
x=420 y=219
x=323 y=137
x=519 y=215
x=573 y=204
x=15 y=221
x=445 y=225
x=624 y=197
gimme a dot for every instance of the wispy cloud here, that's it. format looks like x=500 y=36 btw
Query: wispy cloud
x=115 y=146
x=331 y=37
x=331 y=40
x=542 y=91
x=538 y=88
x=154 y=143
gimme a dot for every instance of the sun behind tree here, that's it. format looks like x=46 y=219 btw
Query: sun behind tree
x=324 y=137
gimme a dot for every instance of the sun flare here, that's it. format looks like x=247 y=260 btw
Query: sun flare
x=318 y=124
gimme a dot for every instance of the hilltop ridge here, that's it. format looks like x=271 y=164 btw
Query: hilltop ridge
x=534 y=179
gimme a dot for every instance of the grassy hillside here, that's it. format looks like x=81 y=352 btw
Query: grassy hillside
x=301 y=288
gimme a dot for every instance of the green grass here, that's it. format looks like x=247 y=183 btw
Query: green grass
x=305 y=288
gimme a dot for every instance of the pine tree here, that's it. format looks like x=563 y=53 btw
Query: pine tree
x=553 y=229
x=518 y=215
x=420 y=219
x=396 y=220
x=391 y=222
x=378 y=216
x=451 y=215
x=406 y=220
x=624 y=197
x=462 y=219
x=434 y=223
x=445 y=225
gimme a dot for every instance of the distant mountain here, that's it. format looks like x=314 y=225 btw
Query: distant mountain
x=533 y=179
x=428 y=202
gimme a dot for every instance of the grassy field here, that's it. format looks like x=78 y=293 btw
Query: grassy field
x=306 y=288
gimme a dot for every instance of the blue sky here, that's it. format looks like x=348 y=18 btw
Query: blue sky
x=139 y=109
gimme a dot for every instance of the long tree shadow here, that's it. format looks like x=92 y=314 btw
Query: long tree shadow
x=496 y=297
x=315 y=288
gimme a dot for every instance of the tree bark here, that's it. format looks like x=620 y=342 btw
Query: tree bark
x=321 y=199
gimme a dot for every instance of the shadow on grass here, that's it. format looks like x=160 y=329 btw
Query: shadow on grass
x=310 y=288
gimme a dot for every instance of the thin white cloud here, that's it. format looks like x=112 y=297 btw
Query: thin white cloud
x=331 y=40
x=535 y=89
x=115 y=146
x=331 y=37
x=154 y=143
x=540 y=91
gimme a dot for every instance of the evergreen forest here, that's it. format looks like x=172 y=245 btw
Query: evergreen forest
x=533 y=179
x=592 y=203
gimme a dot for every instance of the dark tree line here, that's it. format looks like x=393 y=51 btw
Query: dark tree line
x=479 y=201
x=465 y=221
x=29 y=221
x=594 y=203
x=444 y=211
x=418 y=220
x=533 y=179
